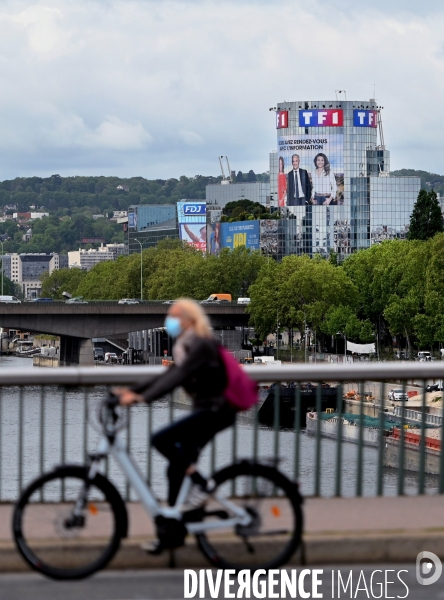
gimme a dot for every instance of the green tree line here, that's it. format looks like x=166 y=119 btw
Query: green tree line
x=394 y=288
x=101 y=194
x=170 y=270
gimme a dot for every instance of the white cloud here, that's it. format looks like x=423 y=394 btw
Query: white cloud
x=163 y=88
x=190 y=138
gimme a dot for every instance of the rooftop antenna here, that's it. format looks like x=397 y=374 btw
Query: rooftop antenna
x=341 y=92
x=381 y=132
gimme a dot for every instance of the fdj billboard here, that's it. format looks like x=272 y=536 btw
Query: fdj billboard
x=191 y=212
x=311 y=169
x=240 y=233
x=192 y=223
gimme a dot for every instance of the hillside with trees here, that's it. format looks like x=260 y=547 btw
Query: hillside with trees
x=102 y=194
x=429 y=181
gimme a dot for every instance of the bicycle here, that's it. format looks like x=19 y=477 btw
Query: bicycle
x=252 y=518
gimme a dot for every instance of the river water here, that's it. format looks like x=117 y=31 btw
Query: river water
x=70 y=442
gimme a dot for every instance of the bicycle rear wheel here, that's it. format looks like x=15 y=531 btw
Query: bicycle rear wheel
x=66 y=526
x=274 y=504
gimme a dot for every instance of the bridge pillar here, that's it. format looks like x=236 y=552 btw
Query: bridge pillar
x=76 y=351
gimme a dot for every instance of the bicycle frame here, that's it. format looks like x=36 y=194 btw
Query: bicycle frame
x=116 y=448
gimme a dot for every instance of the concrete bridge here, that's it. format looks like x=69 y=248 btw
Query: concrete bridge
x=76 y=324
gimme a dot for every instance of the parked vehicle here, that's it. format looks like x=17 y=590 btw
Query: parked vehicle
x=10 y=300
x=99 y=354
x=76 y=300
x=128 y=301
x=42 y=300
x=111 y=357
x=435 y=387
x=424 y=356
x=217 y=298
x=398 y=395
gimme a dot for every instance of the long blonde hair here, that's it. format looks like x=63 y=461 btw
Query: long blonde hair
x=194 y=311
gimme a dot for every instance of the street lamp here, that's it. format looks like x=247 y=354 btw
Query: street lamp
x=141 y=272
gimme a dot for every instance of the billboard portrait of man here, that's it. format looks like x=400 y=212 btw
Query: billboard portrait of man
x=299 y=184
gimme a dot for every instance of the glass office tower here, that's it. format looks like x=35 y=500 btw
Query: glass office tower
x=331 y=179
x=149 y=224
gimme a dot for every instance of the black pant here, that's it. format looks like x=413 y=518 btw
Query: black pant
x=181 y=442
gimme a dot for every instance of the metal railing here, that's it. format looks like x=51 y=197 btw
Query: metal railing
x=45 y=419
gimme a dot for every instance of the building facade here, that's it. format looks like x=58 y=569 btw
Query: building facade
x=87 y=259
x=148 y=224
x=331 y=179
x=220 y=194
x=26 y=270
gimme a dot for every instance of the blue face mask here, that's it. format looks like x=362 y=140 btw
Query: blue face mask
x=173 y=326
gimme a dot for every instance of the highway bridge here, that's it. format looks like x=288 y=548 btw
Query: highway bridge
x=76 y=324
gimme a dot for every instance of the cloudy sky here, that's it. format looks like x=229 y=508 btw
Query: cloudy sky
x=162 y=88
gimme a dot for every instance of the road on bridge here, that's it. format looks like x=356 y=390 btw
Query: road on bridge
x=101 y=319
x=157 y=585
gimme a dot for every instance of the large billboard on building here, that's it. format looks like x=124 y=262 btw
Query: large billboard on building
x=311 y=169
x=191 y=212
x=194 y=234
x=269 y=236
x=192 y=223
x=240 y=233
x=213 y=238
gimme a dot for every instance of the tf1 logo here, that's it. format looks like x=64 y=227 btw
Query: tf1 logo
x=193 y=209
x=281 y=119
x=365 y=118
x=328 y=117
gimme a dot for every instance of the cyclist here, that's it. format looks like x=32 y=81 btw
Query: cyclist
x=199 y=369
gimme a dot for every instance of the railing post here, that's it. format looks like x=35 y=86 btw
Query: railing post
x=339 y=406
x=401 y=445
x=360 y=441
x=317 y=490
x=297 y=431
x=380 y=478
x=422 y=441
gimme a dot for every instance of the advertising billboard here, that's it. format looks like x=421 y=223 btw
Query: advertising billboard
x=213 y=238
x=192 y=219
x=191 y=212
x=194 y=234
x=240 y=233
x=311 y=169
x=132 y=220
x=269 y=236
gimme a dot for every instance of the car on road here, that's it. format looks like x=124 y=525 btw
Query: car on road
x=76 y=300
x=10 y=300
x=42 y=300
x=398 y=395
x=128 y=301
x=435 y=387
x=217 y=299
x=169 y=302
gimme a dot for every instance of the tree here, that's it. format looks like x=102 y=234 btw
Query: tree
x=426 y=218
x=61 y=280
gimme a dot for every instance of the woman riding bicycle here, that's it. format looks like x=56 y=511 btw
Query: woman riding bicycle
x=199 y=369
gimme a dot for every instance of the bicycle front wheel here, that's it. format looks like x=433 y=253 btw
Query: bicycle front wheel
x=275 y=528
x=67 y=526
